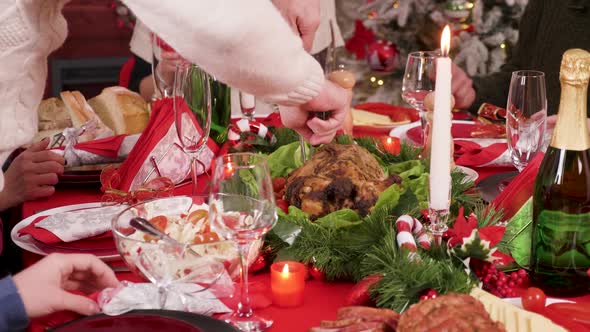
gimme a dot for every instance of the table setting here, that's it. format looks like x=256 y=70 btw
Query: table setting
x=389 y=229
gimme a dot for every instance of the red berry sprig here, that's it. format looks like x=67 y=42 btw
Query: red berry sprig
x=430 y=294
x=499 y=283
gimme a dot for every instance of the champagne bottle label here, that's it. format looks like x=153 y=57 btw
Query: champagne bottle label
x=562 y=240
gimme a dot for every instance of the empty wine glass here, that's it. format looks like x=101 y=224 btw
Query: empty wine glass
x=419 y=80
x=526 y=116
x=163 y=81
x=247 y=105
x=192 y=113
x=242 y=209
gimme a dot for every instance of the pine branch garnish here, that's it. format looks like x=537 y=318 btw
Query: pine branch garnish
x=463 y=193
x=487 y=215
x=405 y=279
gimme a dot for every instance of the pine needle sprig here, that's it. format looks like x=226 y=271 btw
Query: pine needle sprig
x=487 y=215
x=463 y=193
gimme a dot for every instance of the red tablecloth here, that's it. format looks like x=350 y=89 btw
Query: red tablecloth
x=321 y=299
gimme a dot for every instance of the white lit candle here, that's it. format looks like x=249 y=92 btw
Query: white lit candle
x=440 y=156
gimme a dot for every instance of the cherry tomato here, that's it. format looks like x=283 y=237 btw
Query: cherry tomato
x=278 y=184
x=283 y=205
x=160 y=222
x=533 y=299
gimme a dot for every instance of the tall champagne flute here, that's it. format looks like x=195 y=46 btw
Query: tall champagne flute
x=163 y=82
x=419 y=80
x=526 y=116
x=192 y=92
x=242 y=209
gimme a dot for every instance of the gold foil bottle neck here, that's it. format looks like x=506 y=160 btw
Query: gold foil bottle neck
x=571 y=130
x=575 y=67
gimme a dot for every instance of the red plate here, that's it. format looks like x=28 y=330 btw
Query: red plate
x=403 y=115
x=147 y=321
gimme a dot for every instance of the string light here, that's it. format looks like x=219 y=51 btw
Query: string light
x=373 y=79
x=503 y=45
x=380 y=82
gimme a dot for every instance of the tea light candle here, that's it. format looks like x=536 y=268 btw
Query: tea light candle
x=287 y=282
x=391 y=145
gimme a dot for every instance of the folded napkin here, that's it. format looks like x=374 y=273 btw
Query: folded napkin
x=519 y=190
x=180 y=296
x=482 y=153
x=158 y=152
x=111 y=149
x=76 y=225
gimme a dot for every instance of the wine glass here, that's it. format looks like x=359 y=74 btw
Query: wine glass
x=419 y=80
x=247 y=105
x=242 y=208
x=163 y=82
x=526 y=116
x=192 y=105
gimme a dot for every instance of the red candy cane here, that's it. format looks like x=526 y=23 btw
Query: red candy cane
x=409 y=230
x=234 y=134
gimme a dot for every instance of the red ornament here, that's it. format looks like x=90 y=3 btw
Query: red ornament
x=258 y=264
x=425 y=216
x=359 y=294
x=316 y=273
x=382 y=56
x=362 y=37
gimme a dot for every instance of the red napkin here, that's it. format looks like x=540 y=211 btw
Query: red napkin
x=520 y=189
x=157 y=130
x=470 y=153
x=100 y=242
x=106 y=147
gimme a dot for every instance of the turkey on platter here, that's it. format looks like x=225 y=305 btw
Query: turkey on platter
x=338 y=176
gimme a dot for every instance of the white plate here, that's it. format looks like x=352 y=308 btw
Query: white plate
x=470 y=174
x=401 y=131
x=27 y=242
x=516 y=301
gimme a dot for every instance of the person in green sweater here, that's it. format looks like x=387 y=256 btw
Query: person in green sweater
x=547 y=29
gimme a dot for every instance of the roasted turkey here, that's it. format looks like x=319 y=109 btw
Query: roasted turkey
x=336 y=177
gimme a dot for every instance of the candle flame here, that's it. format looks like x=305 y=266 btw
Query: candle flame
x=445 y=41
x=285 y=271
x=229 y=167
x=389 y=140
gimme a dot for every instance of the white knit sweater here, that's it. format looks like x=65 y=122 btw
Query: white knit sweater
x=246 y=44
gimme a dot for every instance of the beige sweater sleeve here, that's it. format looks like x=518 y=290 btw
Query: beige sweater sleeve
x=245 y=44
x=29 y=31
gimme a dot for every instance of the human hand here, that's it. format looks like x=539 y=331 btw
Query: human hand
x=333 y=99
x=303 y=16
x=462 y=88
x=166 y=68
x=44 y=287
x=31 y=175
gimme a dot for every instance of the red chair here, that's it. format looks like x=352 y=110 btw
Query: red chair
x=125 y=73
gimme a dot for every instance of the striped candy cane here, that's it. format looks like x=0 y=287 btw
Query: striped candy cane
x=410 y=230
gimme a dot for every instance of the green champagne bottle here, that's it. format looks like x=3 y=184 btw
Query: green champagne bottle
x=560 y=245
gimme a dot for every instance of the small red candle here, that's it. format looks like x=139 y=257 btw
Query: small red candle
x=287 y=282
x=391 y=145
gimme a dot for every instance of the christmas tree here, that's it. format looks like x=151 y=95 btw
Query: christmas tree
x=381 y=33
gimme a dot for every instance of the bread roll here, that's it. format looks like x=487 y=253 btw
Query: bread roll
x=53 y=115
x=124 y=111
x=81 y=112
